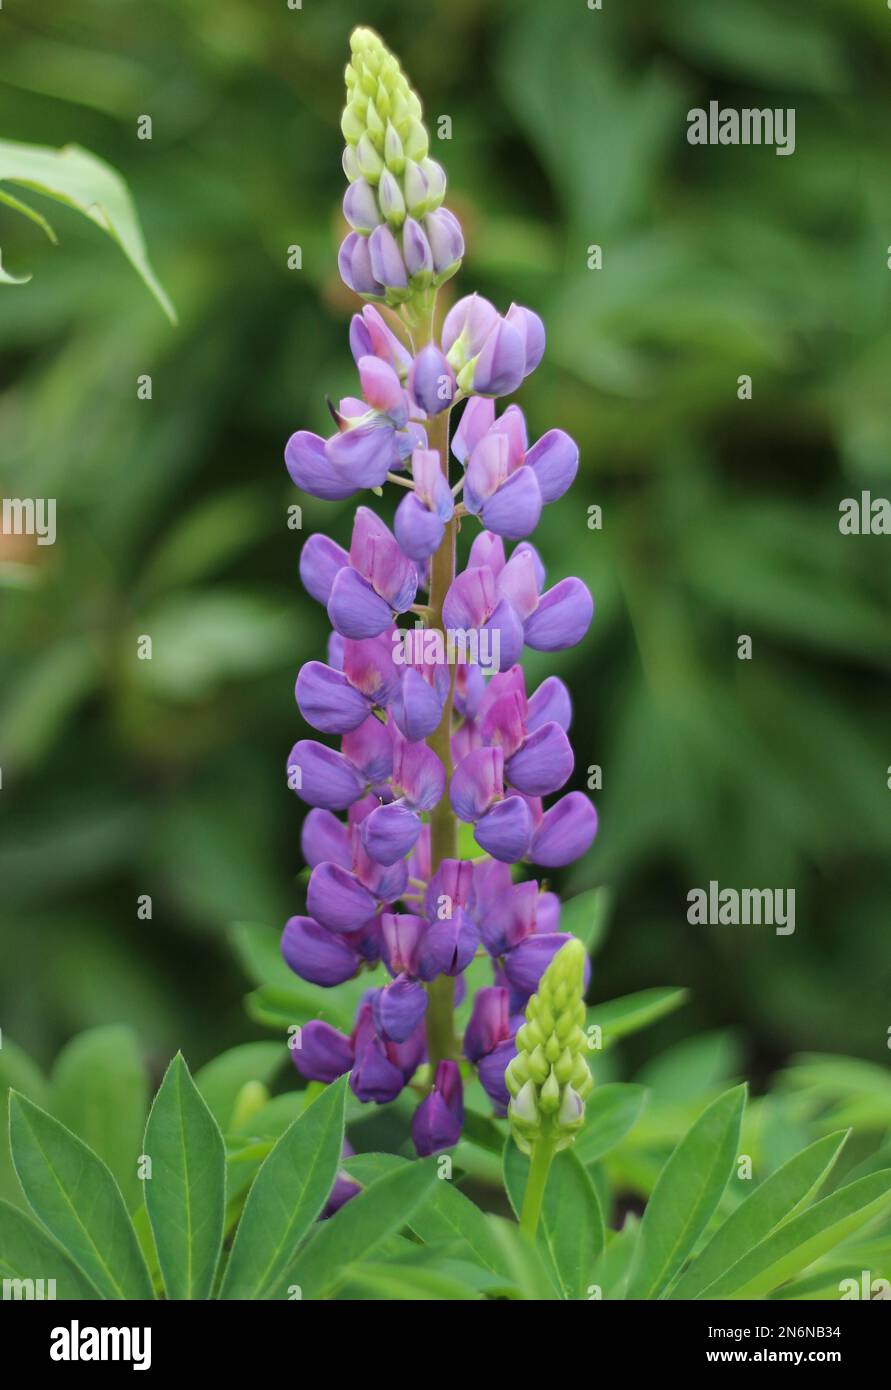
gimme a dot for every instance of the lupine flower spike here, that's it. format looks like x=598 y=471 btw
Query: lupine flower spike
x=433 y=722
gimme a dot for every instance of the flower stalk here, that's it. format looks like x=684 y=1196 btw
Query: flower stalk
x=539 y=1167
x=441 y=732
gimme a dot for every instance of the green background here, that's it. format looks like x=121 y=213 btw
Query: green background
x=123 y=777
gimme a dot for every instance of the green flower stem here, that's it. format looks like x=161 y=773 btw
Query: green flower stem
x=443 y=824
x=418 y=314
x=539 y=1167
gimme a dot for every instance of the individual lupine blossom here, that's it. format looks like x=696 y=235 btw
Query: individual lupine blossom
x=381 y=898
x=549 y=1078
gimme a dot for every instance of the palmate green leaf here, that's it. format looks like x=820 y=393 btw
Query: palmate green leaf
x=772 y=1203
x=610 y=1112
x=570 y=1231
x=801 y=1241
x=357 y=1231
x=99 y=1089
x=186 y=1194
x=19 y=1073
x=287 y=1195
x=77 y=178
x=75 y=1196
x=27 y=1252
x=616 y=1018
x=221 y=1080
x=686 y=1194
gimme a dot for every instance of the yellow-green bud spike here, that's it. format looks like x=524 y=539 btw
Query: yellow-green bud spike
x=414 y=244
x=549 y=1078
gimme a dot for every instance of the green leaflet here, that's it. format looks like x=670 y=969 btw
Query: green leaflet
x=686 y=1194
x=287 y=1195
x=771 y=1203
x=186 y=1193
x=99 y=1089
x=616 y=1018
x=27 y=1252
x=77 y=178
x=799 y=1242
x=62 y=1179
x=19 y=1073
x=356 y=1231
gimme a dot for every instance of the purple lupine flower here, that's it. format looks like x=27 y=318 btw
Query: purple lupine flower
x=505 y=482
x=381 y=1069
x=344 y=1189
x=398 y=1008
x=565 y=832
x=449 y=945
x=389 y=831
x=489 y=1023
x=436 y=1124
x=323 y=1053
x=355 y=266
x=333 y=700
x=374 y=435
x=378 y=580
x=371 y=336
x=473 y=603
x=418 y=703
x=421 y=517
x=443 y=231
x=381 y=895
x=502 y=825
x=432 y=383
x=491 y=1069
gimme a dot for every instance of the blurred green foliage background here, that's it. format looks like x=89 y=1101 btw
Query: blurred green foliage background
x=124 y=777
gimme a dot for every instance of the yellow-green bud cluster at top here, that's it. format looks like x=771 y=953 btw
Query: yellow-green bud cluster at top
x=549 y=1078
x=387 y=142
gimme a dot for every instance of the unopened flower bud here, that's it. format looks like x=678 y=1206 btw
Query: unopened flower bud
x=392 y=203
x=394 y=154
x=549 y=1078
